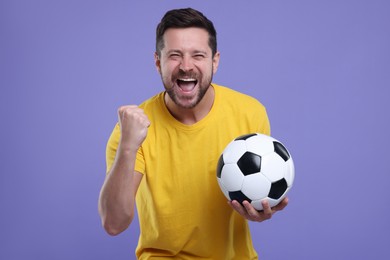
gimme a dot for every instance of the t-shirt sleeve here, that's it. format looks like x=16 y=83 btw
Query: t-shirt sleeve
x=140 y=161
x=112 y=146
x=261 y=118
x=265 y=126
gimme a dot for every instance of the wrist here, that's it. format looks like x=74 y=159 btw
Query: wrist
x=127 y=150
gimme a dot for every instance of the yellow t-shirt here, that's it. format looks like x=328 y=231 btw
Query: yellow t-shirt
x=182 y=211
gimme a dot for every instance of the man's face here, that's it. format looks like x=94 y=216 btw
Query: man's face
x=186 y=65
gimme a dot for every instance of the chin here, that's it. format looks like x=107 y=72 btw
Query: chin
x=186 y=105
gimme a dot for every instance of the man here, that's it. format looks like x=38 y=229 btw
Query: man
x=162 y=156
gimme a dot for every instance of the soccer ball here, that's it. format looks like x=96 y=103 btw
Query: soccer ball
x=255 y=167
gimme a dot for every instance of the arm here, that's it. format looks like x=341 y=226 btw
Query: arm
x=117 y=196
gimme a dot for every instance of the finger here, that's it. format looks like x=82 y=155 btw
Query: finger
x=267 y=211
x=239 y=208
x=281 y=205
x=251 y=211
x=122 y=109
x=146 y=121
x=122 y=112
x=134 y=112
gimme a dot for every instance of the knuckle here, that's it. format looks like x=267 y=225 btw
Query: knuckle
x=120 y=109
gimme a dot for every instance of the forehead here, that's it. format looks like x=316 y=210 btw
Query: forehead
x=186 y=38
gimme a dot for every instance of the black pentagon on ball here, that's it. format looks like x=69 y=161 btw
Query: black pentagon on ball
x=244 y=137
x=239 y=196
x=281 y=150
x=249 y=163
x=220 y=165
x=277 y=189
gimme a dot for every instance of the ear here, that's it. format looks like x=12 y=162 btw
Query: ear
x=157 y=62
x=216 y=62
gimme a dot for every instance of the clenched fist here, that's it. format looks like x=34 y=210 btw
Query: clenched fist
x=134 y=127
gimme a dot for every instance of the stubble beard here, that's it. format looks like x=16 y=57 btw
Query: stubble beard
x=203 y=86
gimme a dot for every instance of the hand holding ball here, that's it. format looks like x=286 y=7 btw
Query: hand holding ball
x=255 y=167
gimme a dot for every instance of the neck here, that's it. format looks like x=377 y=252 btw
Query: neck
x=190 y=116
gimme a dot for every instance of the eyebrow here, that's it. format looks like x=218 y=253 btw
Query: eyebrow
x=179 y=51
x=173 y=51
x=200 y=52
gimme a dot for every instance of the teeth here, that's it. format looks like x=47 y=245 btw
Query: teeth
x=188 y=80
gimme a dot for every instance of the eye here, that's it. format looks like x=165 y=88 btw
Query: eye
x=174 y=55
x=199 y=56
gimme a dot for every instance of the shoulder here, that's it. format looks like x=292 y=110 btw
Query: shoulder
x=152 y=102
x=233 y=98
x=240 y=106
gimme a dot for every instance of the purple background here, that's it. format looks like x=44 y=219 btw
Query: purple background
x=322 y=69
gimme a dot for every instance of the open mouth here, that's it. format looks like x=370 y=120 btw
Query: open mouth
x=186 y=85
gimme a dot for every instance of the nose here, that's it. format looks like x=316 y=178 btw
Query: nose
x=186 y=63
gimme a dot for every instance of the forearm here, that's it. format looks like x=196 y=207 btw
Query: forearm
x=117 y=196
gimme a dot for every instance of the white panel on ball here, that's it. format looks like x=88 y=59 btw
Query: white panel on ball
x=257 y=204
x=231 y=177
x=273 y=167
x=291 y=172
x=273 y=202
x=266 y=145
x=256 y=186
x=223 y=188
x=234 y=151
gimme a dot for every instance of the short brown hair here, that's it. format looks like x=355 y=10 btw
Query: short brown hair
x=185 y=18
